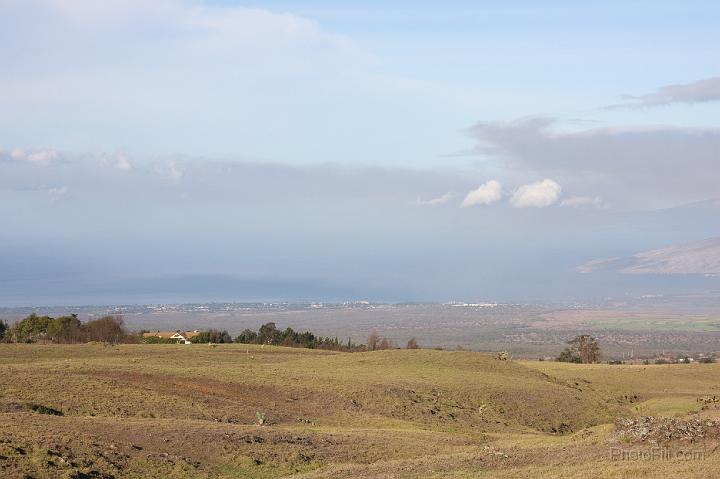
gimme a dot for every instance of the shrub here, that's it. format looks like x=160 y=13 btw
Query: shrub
x=212 y=336
x=412 y=344
x=385 y=343
x=157 y=340
x=581 y=349
x=40 y=409
x=261 y=418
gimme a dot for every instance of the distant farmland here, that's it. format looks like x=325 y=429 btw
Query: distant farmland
x=529 y=331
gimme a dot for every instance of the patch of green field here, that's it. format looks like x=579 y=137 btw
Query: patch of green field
x=657 y=323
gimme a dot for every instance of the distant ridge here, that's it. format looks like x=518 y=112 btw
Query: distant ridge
x=696 y=257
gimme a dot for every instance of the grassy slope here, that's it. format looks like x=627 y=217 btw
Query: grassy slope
x=189 y=411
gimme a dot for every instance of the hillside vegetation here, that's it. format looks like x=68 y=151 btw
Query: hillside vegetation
x=237 y=410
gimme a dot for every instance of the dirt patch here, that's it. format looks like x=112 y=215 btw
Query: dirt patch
x=227 y=401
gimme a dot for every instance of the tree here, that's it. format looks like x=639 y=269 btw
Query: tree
x=212 y=336
x=581 y=349
x=66 y=329
x=269 y=334
x=3 y=329
x=372 y=341
x=385 y=343
x=30 y=329
x=247 y=337
x=108 y=329
x=412 y=344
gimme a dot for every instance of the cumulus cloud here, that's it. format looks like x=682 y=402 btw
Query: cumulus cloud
x=18 y=154
x=170 y=170
x=35 y=157
x=57 y=193
x=485 y=194
x=697 y=92
x=536 y=195
x=583 y=202
x=118 y=161
x=440 y=200
x=633 y=164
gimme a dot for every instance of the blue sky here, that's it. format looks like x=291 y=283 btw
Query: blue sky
x=343 y=145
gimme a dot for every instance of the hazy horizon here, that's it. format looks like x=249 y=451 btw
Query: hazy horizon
x=190 y=151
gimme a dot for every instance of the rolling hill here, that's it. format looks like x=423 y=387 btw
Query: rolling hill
x=172 y=411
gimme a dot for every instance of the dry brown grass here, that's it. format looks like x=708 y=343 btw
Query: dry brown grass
x=190 y=411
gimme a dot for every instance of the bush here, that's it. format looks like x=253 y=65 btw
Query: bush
x=385 y=343
x=40 y=409
x=270 y=334
x=157 y=340
x=581 y=349
x=212 y=336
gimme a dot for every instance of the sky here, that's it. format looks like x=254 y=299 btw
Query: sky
x=174 y=151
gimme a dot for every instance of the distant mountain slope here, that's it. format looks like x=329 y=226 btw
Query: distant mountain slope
x=696 y=257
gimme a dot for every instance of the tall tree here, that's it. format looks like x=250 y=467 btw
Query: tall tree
x=31 y=328
x=581 y=349
x=66 y=329
x=108 y=329
x=372 y=341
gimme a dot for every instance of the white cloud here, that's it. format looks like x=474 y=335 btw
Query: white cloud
x=18 y=154
x=119 y=161
x=583 y=201
x=632 y=164
x=36 y=157
x=536 y=195
x=169 y=170
x=440 y=200
x=485 y=194
x=57 y=193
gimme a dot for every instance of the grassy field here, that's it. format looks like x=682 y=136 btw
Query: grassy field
x=85 y=411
